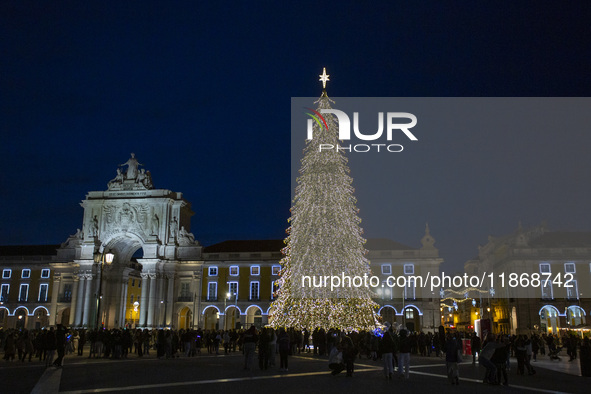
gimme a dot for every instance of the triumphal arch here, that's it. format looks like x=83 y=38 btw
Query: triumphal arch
x=146 y=233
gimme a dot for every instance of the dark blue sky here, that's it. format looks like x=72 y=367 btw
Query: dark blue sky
x=200 y=91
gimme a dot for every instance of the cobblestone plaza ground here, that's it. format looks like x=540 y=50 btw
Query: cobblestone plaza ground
x=210 y=373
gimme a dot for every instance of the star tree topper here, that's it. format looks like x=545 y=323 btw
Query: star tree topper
x=324 y=78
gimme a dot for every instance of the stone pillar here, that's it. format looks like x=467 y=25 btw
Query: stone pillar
x=123 y=307
x=144 y=300
x=160 y=301
x=170 y=300
x=87 y=297
x=74 y=302
x=151 y=301
x=55 y=289
x=80 y=300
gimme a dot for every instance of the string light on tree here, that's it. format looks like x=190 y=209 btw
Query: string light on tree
x=324 y=238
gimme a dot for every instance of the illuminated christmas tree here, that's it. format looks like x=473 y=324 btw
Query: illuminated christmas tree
x=324 y=239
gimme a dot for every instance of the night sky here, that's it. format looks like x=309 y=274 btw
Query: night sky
x=201 y=91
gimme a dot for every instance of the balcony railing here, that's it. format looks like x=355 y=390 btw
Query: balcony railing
x=185 y=298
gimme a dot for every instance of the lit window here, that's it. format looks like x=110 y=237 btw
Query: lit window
x=212 y=291
x=569 y=268
x=234 y=270
x=274 y=288
x=409 y=291
x=43 y=288
x=545 y=268
x=4 y=293
x=410 y=313
x=23 y=294
x=572 y=291
x=6 y=274
x=386 y=269
x=45 y=273
x=255 y=270
x=254 y=291
x=213 y=271
x=275 y=270
x=409 y=269
x=546 y=289
x=233 y=290
x=26 y=273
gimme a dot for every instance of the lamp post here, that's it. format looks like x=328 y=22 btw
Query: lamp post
x=101 y=259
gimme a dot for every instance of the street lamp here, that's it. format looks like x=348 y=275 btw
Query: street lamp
x=101 y=259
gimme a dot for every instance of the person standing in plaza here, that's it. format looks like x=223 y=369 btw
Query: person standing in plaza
x=386 y=348
x=404 y=355
x=453 y=348
x=475 y=346
x=60 y=340
x=349 y=353
x=284 y=347
x=249 y=343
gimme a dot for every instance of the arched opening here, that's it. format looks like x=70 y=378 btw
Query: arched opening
x=3 y=317
x=119 y=282
x=388 y=314
x=185 y=318
x=41 y=318
x=63 y=317
x=412 y=319
x=211 y=317
x=549 y=319
x=21 y=319
x=232 y=318
x=575 y=316
x=254 y=316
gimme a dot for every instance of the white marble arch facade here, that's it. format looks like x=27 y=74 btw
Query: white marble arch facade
x=131 y=215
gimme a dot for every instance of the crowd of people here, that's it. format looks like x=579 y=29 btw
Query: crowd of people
x=391 y=346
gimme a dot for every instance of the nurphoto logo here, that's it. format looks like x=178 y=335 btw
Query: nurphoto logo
x=393 y=124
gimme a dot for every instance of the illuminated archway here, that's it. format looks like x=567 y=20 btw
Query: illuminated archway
x=388 y=314
x=211 y=316
x=575 y=315
x=549 y=319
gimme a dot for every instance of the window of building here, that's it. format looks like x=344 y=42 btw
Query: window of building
x=131 y=299
x=572 y=292
x=386 y=269
x=546 y=286
x=275 y=270
x=45 y=273
x=212 y=291
x=254 y=291
x=569 y=268
x=409 y=291
x=234 y=270
x=133 y=283
x=26 y=273
x=43 y=289
x=255 y=270
x=23 y=294
x=409 y=269
x=6 y=273
x=185 y=289
x=233 y=290
x=545 y=268
x=410 y=313
x=213 y=271
x=67 y=292
x=4 y=293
